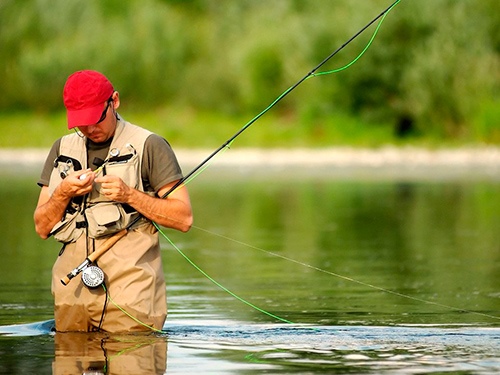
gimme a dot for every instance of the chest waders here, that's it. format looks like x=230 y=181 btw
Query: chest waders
x=132 y=268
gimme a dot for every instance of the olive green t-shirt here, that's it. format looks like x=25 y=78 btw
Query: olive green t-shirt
x=159 y=163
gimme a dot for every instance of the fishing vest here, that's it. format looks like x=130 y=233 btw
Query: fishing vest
x=94 y=213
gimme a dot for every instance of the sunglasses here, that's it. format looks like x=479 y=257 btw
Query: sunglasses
x=105 y=112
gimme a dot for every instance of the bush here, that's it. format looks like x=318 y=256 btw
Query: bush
x=431 y=69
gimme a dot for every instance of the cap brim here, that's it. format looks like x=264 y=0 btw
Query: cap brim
x=84 y=117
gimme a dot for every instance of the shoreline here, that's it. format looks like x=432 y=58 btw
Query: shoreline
x=385 y=163
x=339 y=156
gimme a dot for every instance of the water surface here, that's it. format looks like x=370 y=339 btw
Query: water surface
x=372 y=273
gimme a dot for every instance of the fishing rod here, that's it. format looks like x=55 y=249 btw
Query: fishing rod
x=94 y=276
x=285 y=93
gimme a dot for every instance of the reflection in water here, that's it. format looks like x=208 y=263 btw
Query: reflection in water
x=98 y=353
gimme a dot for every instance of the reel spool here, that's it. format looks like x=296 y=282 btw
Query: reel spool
x=92 y=276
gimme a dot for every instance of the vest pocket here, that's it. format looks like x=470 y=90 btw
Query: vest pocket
x=104 y=218
x=70 y=229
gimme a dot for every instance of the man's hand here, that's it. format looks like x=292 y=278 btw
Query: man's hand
x=50 y=208
x=174 y=212
x=113 y=188
x=76 y=184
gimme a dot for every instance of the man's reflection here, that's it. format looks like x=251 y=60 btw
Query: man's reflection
x=99 y=353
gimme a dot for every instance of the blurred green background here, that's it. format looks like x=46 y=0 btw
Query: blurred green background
x=196 y=71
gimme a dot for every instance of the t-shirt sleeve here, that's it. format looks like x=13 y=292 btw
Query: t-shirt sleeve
x=159 y=165
x=49 y=164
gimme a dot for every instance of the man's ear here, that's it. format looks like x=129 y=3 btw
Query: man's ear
x=116 y=100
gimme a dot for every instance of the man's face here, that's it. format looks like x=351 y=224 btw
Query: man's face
x=105 y=128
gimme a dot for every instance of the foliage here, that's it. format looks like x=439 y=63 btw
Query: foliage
x=433 y=69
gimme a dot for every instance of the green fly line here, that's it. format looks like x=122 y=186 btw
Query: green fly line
x=228 y=145
x=201 y=167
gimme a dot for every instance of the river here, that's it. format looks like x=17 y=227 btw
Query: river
x=288 y=269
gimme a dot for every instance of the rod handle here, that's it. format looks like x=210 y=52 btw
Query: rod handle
x=107 y=245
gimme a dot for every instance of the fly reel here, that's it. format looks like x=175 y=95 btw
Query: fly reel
x=92 y=276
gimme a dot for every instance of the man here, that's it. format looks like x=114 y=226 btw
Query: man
x=96 y=182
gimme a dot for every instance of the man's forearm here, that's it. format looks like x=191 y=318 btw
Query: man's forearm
x=170 y=212
x=50 y=213
x=50 y=208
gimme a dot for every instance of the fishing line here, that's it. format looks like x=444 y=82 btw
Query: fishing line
x=201 y=167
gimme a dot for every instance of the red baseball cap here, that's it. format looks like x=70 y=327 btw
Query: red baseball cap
x=84 y=94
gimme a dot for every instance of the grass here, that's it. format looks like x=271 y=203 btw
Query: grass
x=185 y=127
